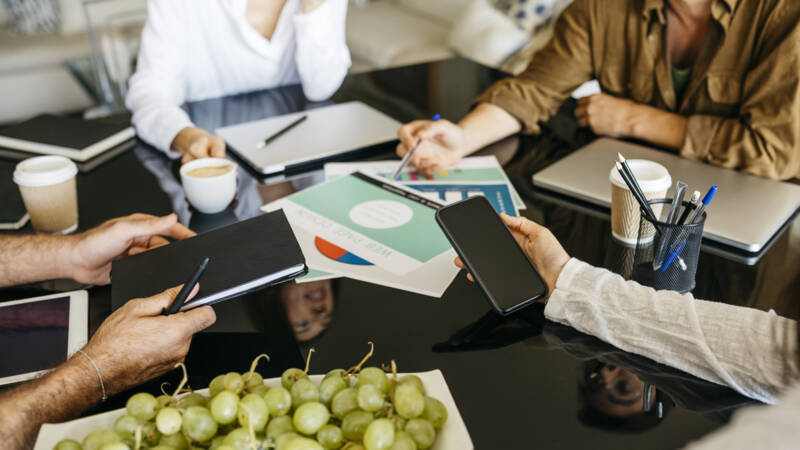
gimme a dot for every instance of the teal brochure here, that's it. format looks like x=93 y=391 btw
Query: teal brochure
x=385 y=223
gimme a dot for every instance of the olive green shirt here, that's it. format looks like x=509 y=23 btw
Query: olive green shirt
x=742 y=99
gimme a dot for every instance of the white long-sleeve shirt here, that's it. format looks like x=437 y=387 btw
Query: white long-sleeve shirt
x=198 y=49
x=752 y=351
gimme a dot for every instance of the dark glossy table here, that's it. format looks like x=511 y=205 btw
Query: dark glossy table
x=518 y=381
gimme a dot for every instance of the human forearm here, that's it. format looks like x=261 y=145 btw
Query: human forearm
x=323 y=58
x=656 y=126
x=749 y=350
x=26 y=259
x=58 y=396
x=486 y=124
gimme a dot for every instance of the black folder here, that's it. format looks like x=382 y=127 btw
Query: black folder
x=244 y=257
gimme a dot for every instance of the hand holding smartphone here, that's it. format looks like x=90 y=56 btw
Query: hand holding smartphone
x=491 y=254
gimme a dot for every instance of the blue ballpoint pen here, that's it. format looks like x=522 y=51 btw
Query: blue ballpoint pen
x=407 y=157
x=675 y=251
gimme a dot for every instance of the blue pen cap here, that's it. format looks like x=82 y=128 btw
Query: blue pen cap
x=710 y=194
x=436 y=117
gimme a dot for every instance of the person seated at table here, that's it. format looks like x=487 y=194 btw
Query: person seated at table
x=197 y=50
x=711 y=80
x=134 y=344
x=754 y=352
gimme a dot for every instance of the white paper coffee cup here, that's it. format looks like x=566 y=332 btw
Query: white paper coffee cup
x=209 y=195
x=655 y=181
x=47 y=185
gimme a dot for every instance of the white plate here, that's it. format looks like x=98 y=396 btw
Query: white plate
x=452 y=436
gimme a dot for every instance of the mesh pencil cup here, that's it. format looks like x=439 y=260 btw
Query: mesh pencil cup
x=667 y=254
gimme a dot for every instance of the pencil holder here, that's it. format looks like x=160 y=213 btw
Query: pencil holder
x=668 y=261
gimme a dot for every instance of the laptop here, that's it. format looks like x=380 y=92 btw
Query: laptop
x=328 y=131
x=745 y=214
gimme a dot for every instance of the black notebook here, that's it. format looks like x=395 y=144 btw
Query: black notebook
x=244 y=257
x=76 y=139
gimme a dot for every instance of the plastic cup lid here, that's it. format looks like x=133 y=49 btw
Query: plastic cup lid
x=44 y=171
x=652 y=176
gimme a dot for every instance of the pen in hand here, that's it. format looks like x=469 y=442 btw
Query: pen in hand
x=187 y=288
x=407 y=157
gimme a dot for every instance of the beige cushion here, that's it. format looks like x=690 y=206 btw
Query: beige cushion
x=446 y=11
x=486 y=35
x=380 y=32
x=52 y=89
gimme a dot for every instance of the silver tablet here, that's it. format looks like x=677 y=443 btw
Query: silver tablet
x=39 y=333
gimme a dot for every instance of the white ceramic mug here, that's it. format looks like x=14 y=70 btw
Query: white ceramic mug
x=209 y=194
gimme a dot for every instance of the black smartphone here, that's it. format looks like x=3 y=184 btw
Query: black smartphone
x=500 y=267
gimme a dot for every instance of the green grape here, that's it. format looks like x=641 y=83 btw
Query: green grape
x=68 y=444
x=278 y=426
x=174 y=441
x=163 y=400
x=252 y=409
x=415 y=380
x=399 y=423
x=125 y=426
x=217 y=442
x=340 y=373
x=375 y=377
x=252 y=381
x=355 y=424
x=330 y=387
x=233 y=382
x=290 y=377
x=408 y=401
x=356 y=447
x=97 y=439
x=224 y=407
x=150 y=434
x=403 y=441
x=304 y=391
x=344 y=402
x=370 y=398
x=422 y=432
x=216 y=386
x=198 y=424
x=192 y=399
x=169 y=421
x=238 y=439
x=379 y=435
x=142 y=406
x=259 y=390
x=330 y=437
x=303 y=444
x=283 y=440
x=115 y=446
x=225 y=447
x=161 y=447
x=435 y=412
x=278 y=400
x=310 y=417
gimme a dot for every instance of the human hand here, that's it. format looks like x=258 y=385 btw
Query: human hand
x=439 y=144
x=91 y=253
x=606 y=115
x=195 y=143
x=136 y=343
x=542 y=248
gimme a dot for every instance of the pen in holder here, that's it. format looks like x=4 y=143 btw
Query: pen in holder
x=669 y=260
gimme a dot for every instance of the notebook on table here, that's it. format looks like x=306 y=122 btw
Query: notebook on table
x=244 y=257
x=746 y=213
x=328 y=132
x=79 y=140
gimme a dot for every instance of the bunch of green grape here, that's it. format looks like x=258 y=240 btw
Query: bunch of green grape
x=358 y=409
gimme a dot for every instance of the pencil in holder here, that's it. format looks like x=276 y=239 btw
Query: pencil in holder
x=669 y=260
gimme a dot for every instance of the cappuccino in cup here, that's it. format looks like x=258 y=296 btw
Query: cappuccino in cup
x=209 y=184
x=47 y=185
